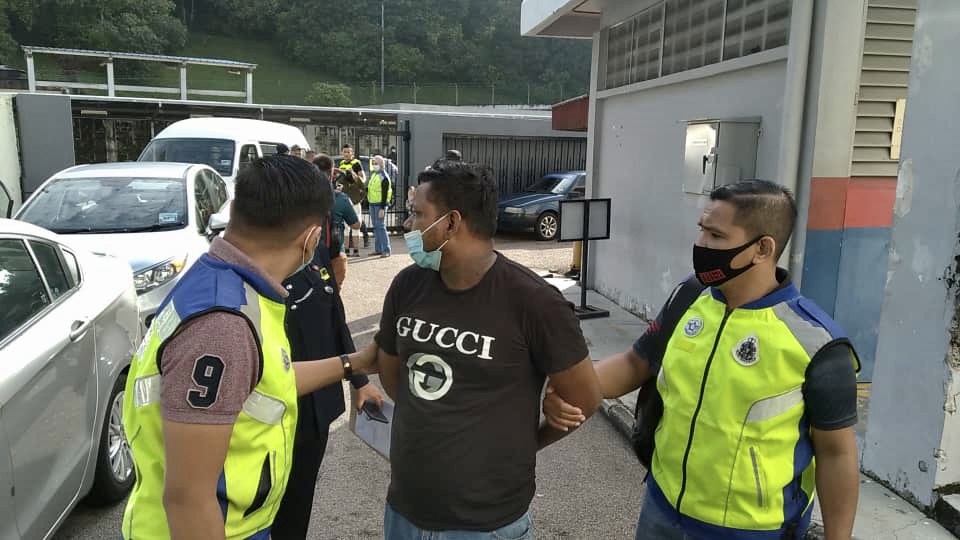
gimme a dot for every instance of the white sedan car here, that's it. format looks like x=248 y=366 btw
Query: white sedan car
x=156 y=216
x=68 y=329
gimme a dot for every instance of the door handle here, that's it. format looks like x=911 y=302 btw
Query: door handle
x=79 y=328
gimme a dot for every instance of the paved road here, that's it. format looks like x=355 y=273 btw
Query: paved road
x=589 y=485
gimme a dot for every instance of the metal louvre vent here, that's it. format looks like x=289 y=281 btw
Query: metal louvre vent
x=884 y=75
x=754 y=26
x=678 y=35
x=634 y=48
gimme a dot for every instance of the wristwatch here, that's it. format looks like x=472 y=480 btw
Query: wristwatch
x=347 y=366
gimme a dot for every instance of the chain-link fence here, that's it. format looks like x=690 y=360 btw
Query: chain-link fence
x=466 y=94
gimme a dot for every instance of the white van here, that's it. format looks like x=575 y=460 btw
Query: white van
x=226 y=144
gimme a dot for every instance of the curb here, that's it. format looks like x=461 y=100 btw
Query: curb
x=622 y=419
x=619 y=415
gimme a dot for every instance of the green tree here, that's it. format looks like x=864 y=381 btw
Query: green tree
x=403 y=63
x=338 y=37
x=230 y=17
x=8 y=46
x=147 y=26
x=329 y=95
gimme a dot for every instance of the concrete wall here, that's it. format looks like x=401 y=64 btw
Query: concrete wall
x=638 y=159
x=913 y=433
x=9 y=151
x=847 y=227
x=427 y=131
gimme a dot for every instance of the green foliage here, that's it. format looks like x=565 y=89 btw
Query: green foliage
x=329 y=95
x=8 y=47
x=428 y=43
x=146 y=26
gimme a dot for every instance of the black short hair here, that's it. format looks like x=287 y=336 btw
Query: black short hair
x=278 y=194
x=348 y=145
x=283 y=149
x=467 y=188
x=763 y=208
x=323 y=162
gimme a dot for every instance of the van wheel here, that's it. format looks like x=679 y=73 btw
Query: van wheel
x=114 y=472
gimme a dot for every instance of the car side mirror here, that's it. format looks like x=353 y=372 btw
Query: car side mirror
x=218 y=222
x=576 y=194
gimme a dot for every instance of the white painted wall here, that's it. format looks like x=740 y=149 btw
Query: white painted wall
x=9 y=151
x=638 y=158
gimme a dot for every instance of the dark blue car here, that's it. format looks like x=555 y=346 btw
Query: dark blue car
x=538 y=206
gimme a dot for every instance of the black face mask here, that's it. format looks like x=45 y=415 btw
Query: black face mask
x=712 y=266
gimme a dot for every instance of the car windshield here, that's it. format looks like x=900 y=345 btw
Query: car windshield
x=551 y=184
x=216 y=153
x=109 y=205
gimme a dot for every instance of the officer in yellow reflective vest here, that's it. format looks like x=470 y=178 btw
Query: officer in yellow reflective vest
x=758 y=386
x=379 y=195
x=210 y=407
x=351 y=163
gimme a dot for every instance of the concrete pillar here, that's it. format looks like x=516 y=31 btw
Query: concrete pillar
x=913 y=432
x=31 y=73
x=111 y=85
x=183 y=82
x=250 y=86
x=847 y=219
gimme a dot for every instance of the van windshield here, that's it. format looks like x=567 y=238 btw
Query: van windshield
x=217 y=153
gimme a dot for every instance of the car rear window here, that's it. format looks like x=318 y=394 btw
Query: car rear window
x=22 y=292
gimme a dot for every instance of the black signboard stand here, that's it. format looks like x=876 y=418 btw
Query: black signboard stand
x=569 y=232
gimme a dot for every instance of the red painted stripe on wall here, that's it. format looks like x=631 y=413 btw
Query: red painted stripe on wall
x=828 y=200
x=870 y=202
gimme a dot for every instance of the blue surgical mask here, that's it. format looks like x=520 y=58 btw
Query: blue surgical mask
x=304 y=260
x=424 y=259
x=375 y=168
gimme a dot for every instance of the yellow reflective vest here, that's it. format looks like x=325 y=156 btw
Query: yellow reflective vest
x=254 y=475
x=734 y=454
x=375 y=189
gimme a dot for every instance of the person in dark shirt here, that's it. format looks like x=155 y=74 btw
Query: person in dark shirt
x=344 y=215
x=315 y=325
x=466 y=341
x=758 y=386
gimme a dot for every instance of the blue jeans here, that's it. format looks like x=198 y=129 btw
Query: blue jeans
x=381 y=242
x=654 y=524
x=396 y=527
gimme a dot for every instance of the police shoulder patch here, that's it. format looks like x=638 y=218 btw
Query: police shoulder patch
x=693 y=327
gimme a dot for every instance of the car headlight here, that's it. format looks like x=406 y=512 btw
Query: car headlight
x=512 y=210
x=151 y=278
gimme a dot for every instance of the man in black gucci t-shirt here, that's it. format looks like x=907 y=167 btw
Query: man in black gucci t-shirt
x=467 y=340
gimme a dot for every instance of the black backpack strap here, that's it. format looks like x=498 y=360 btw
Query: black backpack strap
x=649 y=408
x=683 y=297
